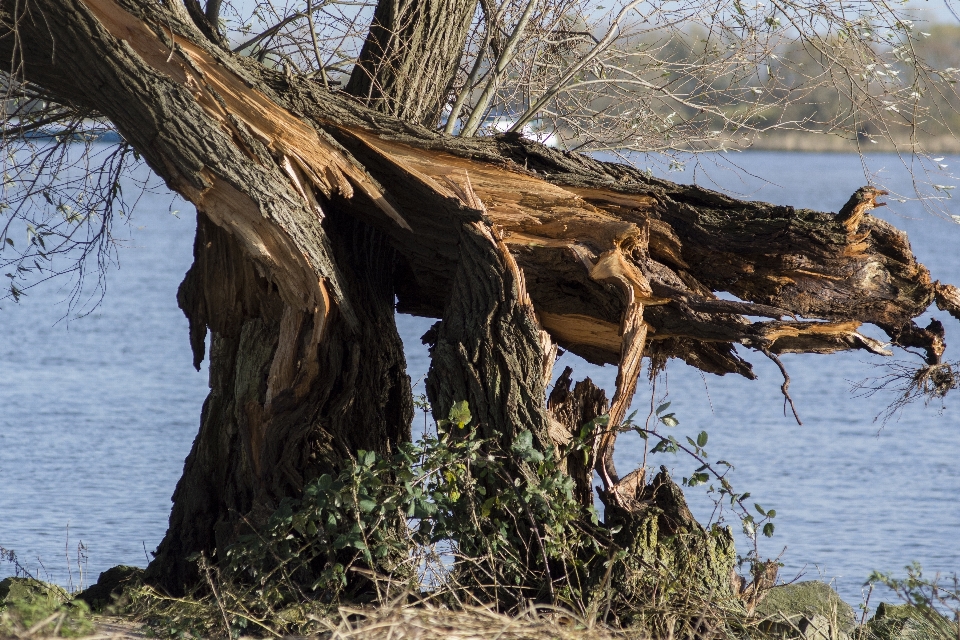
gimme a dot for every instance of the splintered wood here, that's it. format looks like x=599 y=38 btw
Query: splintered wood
x=310 y=160
x=615 y=265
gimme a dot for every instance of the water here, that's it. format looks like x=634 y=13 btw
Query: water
x=99 y=412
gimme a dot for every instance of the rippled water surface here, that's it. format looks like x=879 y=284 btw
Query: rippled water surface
x=98 y=412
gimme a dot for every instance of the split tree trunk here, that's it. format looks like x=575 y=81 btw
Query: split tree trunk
x=273 y=419
x=307 y=202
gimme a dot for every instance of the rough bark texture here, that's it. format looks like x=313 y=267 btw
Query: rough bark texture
x=410 y=56
x=306 y=364
x=489 y=348
x=516 y=247
x=274 y=418
x=573 y=409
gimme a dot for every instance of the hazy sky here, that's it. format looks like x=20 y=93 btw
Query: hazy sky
x=936 y=10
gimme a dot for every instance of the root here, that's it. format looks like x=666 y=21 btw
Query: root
x=928 y=382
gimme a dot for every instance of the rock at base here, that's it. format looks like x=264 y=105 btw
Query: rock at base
x=808 y=610
x=109 y=585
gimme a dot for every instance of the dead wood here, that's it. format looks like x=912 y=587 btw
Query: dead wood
x=516 y=246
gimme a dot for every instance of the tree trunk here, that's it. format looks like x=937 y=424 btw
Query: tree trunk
x=306 y=364
x=275 y=420
x=307 y=202
x=411 y=56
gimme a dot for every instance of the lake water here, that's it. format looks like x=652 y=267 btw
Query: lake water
x=98 y=412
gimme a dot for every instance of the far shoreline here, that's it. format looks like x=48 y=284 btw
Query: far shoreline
x=825 y=143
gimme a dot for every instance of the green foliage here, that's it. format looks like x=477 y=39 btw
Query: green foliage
x=509 y=516
x=356 y=519
x=29 y=607
x=453 y=513
x=455 y=518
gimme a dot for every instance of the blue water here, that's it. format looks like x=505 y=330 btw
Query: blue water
x=99 y=412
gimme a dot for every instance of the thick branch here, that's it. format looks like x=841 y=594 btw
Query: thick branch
x=591 y=238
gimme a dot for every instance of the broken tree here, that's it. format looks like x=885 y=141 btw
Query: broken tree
x=316 y=212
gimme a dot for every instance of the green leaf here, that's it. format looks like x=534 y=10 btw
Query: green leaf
x=768 y=529
x=759 y=509
x=367 y=505
x=663 y=407
x=702 y=439
x=523 y=442
x=772 y=513
x=670 y=420
x=460 y=414
x=523 y=447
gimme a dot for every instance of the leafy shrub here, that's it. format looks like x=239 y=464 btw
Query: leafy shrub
x=454 y=518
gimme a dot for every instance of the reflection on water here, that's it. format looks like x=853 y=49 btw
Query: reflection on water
x=99 y=412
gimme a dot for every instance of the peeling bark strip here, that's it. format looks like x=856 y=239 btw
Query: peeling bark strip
x=571 y=240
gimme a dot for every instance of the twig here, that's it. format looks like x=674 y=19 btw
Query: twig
x=216 y=594
x=173 y=43
x=316 y=45
x=784 y=388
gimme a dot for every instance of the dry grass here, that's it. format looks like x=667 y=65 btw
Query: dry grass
x=436 y=623
x=425 y=622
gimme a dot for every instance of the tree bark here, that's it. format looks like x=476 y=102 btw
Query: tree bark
x=489 y=349
x=410 y=57
x=306 y=364
x=275 y=420
x=308 y=201
x=573 y=409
